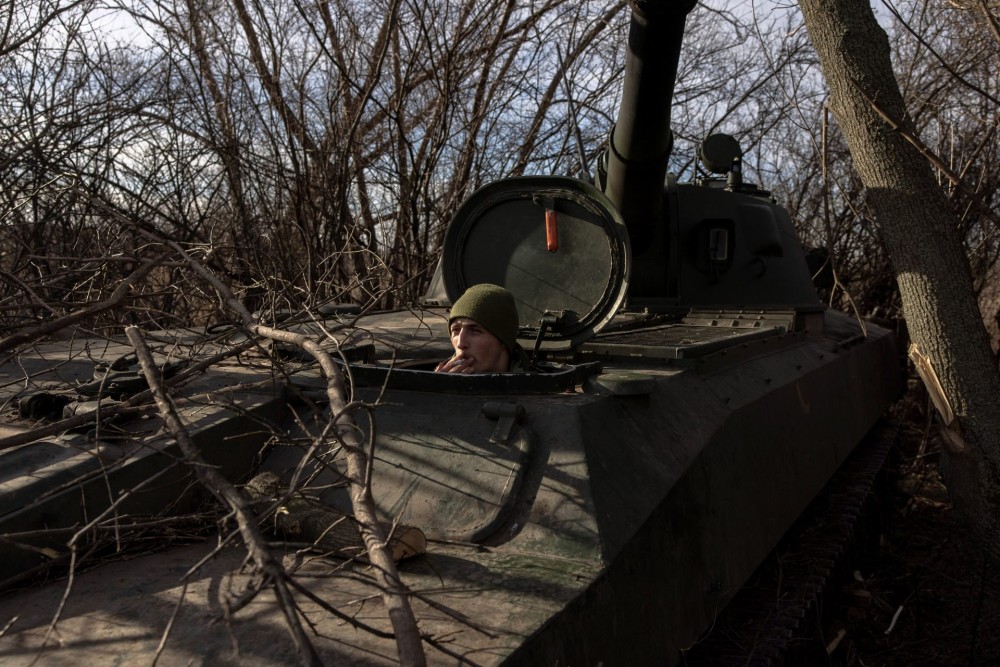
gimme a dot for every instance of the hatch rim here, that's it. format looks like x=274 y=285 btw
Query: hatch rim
x=612 y=263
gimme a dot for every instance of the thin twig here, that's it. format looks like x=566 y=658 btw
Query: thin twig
x=117 y=297
x=937 y=162
x=170 y=625
x=895 y=617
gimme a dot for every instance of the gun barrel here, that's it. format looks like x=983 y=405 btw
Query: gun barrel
x=641 y=140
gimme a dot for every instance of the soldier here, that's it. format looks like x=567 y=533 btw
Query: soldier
x=483 y=327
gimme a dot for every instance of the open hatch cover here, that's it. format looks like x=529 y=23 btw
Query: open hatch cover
x=557 y=243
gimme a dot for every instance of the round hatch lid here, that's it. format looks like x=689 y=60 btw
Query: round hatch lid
x=558 y=244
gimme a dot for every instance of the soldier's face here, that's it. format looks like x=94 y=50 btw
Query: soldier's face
x=476 y=349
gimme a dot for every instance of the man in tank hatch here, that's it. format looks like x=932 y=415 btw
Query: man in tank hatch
x=483 y=327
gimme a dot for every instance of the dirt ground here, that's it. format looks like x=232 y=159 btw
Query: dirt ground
x=924 y=592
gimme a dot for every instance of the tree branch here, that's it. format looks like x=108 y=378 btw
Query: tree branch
x=223 y=490
x=393 y=592
x=117 y=297
x=938 y=163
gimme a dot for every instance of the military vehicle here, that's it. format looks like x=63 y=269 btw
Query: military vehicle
x=689 y=396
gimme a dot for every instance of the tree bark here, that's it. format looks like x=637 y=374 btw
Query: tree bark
x=921 y=235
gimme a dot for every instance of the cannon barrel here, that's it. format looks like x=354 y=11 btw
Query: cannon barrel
x=635 y=165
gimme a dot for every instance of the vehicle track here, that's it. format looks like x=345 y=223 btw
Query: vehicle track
x=777 y=618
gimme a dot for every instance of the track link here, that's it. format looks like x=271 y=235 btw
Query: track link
x=776 y=618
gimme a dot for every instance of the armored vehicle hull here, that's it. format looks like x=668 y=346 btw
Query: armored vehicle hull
x=602 y=511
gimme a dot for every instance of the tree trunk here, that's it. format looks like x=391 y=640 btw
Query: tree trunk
x=920 y=233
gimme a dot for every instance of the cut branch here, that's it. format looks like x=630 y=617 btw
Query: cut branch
x=393 y=592
x=227 y=493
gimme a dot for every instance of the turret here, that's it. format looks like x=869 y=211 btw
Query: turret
x=633 y=169
x=576 y=254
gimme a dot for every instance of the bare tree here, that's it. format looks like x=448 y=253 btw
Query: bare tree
x=922 y=235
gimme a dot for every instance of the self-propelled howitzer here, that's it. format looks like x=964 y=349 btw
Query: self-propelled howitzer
x=689 y=396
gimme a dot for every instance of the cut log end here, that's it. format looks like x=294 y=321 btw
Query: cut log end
x=329 y=530
x=406 y=542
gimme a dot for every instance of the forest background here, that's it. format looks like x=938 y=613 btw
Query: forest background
x=316 y=152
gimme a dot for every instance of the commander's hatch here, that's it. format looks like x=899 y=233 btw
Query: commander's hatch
x=558 y=244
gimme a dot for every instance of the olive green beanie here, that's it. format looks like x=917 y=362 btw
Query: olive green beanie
x=493 y=308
